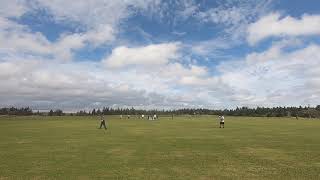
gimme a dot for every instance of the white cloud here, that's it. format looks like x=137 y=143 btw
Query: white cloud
x=195 y=81
x=233 y=17
x=65 y=45
x=93 y=13
x=12 y=8
x=212 y=47
x=74 y=85
x=189 y=9
x=274 y=52
x=270 y=78
x=98 y=19
x=199 y=70
x=274 y=77
x=19 y=38
x=229 y=16
x=154 y=54
x=155 y=75
x=273 y=25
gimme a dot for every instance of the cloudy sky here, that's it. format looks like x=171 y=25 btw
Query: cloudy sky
x=159 y=53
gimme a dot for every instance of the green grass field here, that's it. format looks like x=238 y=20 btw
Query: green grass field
x=183 y=148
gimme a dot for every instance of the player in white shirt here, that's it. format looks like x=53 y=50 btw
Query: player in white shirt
x=221 y=121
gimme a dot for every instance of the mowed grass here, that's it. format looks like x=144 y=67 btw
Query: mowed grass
x=182 y=148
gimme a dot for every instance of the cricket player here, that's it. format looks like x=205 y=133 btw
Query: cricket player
x=221 y=121
x=102 y=122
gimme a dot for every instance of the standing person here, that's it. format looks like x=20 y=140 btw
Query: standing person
x=221 y=121
x=102 y=122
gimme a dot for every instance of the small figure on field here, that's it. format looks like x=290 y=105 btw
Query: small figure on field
x=102 y=122
x=121 y=116
x=142 y=116
x=221 y=118
x=128 y=116
x=154 y=117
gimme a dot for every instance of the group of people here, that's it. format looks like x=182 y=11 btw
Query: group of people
x=150 y=117
x=154 y=117
x=104 y=125
x=128 y=116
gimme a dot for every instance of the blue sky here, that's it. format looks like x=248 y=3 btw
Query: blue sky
x=159 y=54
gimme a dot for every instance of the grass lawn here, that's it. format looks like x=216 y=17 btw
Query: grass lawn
x=183 y=148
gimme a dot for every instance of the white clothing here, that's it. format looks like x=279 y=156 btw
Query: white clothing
x=221 y=118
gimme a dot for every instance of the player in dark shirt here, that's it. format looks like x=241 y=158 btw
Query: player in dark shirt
x=102 y=122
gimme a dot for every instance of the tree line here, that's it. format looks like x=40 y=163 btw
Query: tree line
x=312 y=112
x=16 y=111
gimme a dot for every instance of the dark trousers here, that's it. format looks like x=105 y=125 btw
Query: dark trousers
x=103 y=124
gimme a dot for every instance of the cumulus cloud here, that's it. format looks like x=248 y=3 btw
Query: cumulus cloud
x=71 y=86
x=99 y=21
x=233 y=17
x=155 y=75
x=270 y=78
x=28 y=76
x=273 y=77
x=19 y=38
x=154 y=54
x=66 y=44
x=74 y=85
x=195 y=81
x=68 y=86
x=273 y=25
x=12 y=8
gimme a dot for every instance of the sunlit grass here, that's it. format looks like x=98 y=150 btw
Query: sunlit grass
x=182 y=148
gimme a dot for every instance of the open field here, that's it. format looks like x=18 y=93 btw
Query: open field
x=183 y=148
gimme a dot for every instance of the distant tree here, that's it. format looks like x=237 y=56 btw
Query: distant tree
x=58 y=112
x=98 y=112
x=50 y=113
